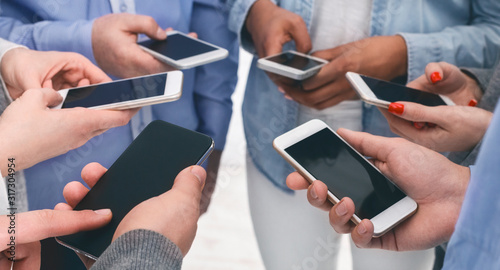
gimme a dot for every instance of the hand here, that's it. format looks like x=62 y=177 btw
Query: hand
x=434 y=182
x=447 y=79
x=271 y=27
x=441 y=128
x=114 y=42
x=30 y=132
x=383 y=57
x=24 y=69
x=34 y=226
x=173 y=214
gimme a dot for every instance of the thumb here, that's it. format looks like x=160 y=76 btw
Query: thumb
x=145 y=25
x=43 y=97
x=190 y=181
x=37 y=225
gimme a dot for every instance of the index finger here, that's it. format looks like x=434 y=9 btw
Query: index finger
x=369 y=145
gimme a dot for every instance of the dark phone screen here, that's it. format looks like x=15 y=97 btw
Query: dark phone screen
x=114 y=92
x=294 y=61
x=345 y=173
x=177 y=47
x=395 y=92
x=146 y=169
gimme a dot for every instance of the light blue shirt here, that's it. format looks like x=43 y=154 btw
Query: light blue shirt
x=66 y=25
x=475 y=244
x=461 y=32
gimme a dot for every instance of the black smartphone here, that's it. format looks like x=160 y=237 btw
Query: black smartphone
x=146 y=169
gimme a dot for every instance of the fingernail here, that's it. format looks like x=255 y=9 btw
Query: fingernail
x=418 y=125
x=431 y=125
x=435 y=77
x=281 y=90
x=160 y=33
x=199 y=173
x=341 y=209
x=473 y=102
x=103 y=212
x=361 y=228
x=314 y=195
x=396 y=108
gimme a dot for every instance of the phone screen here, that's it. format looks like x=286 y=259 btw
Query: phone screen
x=146 y=169
x=295 y=61
x=345 y=173
x=395 y=92
x=114 y=92
x=178 y=47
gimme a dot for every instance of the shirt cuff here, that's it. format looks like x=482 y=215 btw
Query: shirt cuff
x=237 y=18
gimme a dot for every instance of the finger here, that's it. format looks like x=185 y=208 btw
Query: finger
x=63 y=207
x=340 y=216
x=93 y=122
x=92 y=172
x=329 y=54
x=434 y=73
x=36 y=225
x=193 y=35
x=369 y=145
x=295 y=181
x=190 y=181
x=362 y=235
x=83 y=82
x=300 y=35
x=145 y=25
x=317 y=195
x=419 y=113
x=74 y=192
x=327 y=74
x=47 y=97
x=27 y=256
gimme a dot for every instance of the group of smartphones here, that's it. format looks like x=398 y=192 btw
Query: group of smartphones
x=148 y=167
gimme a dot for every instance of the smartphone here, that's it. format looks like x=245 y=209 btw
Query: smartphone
x=292 y=64
x=182 y=51
x=317 y=152
x=146 y=169
x=125 y=94
x=381 y=93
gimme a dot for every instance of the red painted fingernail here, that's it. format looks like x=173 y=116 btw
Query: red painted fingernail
x=418 y=125
x=396 y=108
x=435 y=77
x=473 y=102
x=431 y=125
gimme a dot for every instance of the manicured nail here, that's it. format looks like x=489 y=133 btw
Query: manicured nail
x=199 y=173
x=103 y=212
x=473 y=102
x=435 y=77
x=418 y=125
x=361 y=228
x=431 y=125
x=314 y=195
x=396 y=108
x=341 y=209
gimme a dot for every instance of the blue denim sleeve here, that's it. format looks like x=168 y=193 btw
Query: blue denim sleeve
x=475 y=241
x=50 y=35
x=215 y=82
x=472 y=45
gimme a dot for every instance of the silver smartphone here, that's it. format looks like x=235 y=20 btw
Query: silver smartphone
x=125 y=94
x=318 y=153
x=182 y=51
x=381 y=93
x=292 y=64
x=146 y=169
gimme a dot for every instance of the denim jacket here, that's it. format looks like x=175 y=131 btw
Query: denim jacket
x=461 y=32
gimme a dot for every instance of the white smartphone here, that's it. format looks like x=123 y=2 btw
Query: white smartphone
x=318 y=153
x=182 y=51
x=292 y=64
x=125 y=94
x=381 y=93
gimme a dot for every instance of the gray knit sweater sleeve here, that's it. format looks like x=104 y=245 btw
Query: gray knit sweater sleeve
x=140 y=249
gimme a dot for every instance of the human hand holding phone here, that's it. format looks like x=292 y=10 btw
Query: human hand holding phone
x=114 y=43
x=434 y=182
x=447 y=79
x=24 y=69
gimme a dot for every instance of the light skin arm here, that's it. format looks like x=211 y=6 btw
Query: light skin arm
x=435 y=183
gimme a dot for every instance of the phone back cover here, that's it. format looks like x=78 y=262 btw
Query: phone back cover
x=146 y=169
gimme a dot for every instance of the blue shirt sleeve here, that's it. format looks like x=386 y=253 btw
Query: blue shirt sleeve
x=50 y=35
x=475 y=243
x=215 y=82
